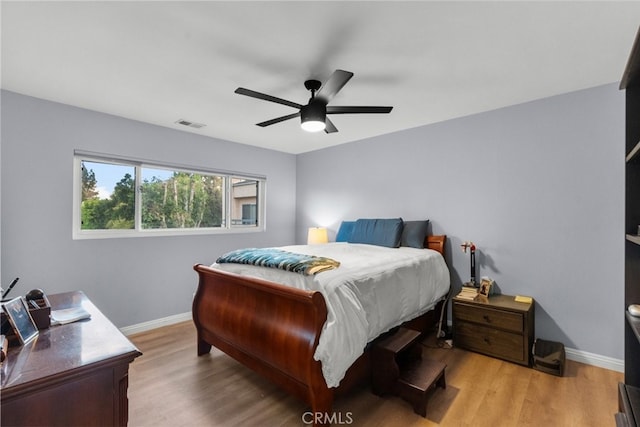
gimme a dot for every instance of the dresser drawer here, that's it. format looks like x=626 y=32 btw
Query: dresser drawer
x=494 y=342
x=506 y=320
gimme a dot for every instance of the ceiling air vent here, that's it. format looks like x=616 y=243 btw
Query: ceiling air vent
x=190 y=124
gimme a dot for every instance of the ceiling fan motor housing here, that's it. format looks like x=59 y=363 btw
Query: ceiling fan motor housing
x=315 y=110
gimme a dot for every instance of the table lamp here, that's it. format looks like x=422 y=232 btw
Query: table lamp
x=317 y=235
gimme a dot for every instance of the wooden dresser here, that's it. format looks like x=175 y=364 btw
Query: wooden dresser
x=498 y=327
x=70 y=375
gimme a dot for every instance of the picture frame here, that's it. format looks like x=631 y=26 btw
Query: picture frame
x=20 y=319
x=485 y=287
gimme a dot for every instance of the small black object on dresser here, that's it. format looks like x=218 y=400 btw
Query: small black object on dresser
x=39 y=308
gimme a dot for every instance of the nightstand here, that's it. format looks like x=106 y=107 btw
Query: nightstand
x=499 y=327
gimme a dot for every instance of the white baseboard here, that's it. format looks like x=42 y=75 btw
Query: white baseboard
x=594 y=359
x=153 y=324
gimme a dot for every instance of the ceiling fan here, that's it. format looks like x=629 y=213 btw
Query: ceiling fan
x=314 y=114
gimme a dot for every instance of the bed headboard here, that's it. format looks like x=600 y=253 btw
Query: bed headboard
x=436 y=243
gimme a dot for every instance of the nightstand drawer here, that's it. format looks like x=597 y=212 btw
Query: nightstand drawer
x=487 y=340
x=486 y=316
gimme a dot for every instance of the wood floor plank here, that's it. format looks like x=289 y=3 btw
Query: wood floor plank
x=170 y=385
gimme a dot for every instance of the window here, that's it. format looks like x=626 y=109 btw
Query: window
x=243 y=196
x=123 y=198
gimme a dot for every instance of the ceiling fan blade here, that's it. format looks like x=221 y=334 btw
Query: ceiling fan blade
x=332 y=86
x=254 y=94
x=278 y=120
x=329 y=126
x=357 y=110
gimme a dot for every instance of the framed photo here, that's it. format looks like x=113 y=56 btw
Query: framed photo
x=20 y=319
x=485 y=287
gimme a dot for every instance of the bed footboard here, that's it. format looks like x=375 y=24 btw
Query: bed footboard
x=270 y=328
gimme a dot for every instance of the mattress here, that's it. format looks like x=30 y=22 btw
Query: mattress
x=375 y=289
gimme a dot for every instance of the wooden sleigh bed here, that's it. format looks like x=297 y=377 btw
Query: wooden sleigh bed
x=274 y=330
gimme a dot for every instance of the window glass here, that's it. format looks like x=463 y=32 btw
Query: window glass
x=108 y=196
x=174 y=199
x=244 y=202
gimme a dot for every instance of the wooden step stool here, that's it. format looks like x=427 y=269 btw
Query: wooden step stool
x=398 y=369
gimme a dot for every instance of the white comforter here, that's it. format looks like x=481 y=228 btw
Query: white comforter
x=374 y=289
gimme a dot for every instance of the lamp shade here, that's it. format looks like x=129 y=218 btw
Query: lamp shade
x=317 y=235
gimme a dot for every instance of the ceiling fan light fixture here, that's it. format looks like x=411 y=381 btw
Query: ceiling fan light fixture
x=313 y=126
x=313 y=116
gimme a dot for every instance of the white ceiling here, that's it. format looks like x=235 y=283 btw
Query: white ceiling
x=158 y=62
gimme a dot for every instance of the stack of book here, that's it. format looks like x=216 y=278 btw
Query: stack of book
x=468 y=292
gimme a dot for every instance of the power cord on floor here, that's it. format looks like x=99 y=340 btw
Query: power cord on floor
x=442 y=340
x=445 y=344
x=431 y=339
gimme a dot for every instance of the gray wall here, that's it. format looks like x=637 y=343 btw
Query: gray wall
x=132 y=280
x=538 y=187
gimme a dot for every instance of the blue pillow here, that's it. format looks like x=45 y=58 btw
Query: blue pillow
x=414 y=233
x=381 y=232
x=345 y=230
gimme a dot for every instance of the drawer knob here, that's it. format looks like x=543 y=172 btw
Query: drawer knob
x=487 y=340
x=486 y=318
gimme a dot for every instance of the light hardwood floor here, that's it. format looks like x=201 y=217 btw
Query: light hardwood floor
x=170 y=386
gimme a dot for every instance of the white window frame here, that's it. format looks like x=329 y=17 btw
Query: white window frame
x=138 y=231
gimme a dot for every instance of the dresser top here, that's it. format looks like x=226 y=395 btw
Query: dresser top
x=500 y=302
x=66 y=349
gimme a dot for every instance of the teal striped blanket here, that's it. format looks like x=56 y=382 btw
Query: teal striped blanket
x=277 y=258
